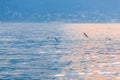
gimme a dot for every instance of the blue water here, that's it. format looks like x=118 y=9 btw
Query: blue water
x=29 y=51
x=26 y=53
x=65 y=11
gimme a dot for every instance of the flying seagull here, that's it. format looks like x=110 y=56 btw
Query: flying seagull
x=85 y=35
x=109 y=39
x=56 y=39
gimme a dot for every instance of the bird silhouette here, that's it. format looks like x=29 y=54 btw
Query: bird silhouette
x=85 y=34
x=109 y=39
x=56 y=39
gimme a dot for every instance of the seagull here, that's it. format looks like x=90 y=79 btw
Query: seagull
x=56 y=39
x=85 y=35
x=109 y=39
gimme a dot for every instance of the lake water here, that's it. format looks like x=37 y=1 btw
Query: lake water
x=55 y=51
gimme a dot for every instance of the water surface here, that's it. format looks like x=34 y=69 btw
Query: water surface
x=37 y=51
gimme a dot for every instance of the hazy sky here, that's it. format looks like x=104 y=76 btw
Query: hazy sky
x=39 y=10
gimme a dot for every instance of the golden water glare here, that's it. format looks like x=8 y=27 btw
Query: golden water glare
x=94 y=31
x=96 y=57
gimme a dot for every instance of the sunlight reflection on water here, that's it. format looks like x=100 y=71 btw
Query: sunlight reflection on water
x=30 y=51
